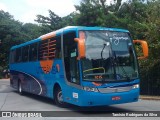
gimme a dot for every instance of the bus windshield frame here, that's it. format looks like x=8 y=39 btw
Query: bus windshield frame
x=109 y=57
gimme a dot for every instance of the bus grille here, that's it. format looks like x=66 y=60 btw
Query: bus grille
x=116 y=89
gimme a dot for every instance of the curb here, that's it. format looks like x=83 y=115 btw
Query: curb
x=5 y=79
x=149 y=97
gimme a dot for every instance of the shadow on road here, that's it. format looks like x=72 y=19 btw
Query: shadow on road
x=89 y=111
x=83 y=111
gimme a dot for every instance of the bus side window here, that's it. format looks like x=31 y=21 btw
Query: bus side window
x=74 y=66
x=13 y=56
x=47 y=49
x=18 y=55
x=58 y=53
x=25 y=53
x=33 y=52
x=43 y=50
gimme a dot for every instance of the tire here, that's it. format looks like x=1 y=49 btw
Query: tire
x=58 y=97
x=20 y=91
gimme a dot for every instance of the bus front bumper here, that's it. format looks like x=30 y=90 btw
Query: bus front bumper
x=101 y=99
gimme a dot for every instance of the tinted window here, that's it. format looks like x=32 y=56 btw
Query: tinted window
x=58 y=53
x=52 y=48
x=18 y=55
x=25 y=53
x=47 y=49
x=12 y=56
x=43 y=50
x=33 y=52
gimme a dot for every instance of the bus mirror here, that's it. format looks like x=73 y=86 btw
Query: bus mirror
x=144 y=46
x=81 y=48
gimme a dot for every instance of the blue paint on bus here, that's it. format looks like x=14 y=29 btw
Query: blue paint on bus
x=89 y=81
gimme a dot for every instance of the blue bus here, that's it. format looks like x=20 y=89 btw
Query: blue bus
x=84 y=66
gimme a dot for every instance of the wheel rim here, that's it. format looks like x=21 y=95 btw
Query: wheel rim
x=60 y=97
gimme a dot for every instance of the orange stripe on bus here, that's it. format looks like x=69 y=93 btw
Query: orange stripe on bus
x=49 y=35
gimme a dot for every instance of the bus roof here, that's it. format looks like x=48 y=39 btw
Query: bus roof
x=67 y=30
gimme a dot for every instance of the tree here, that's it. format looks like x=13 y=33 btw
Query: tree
x=12 y=33
x=31 y=31
x=53 y=22
x=92 y=13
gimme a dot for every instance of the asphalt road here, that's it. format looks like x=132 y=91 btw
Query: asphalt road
x=10 y=100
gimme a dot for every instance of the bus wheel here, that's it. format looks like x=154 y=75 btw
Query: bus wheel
x=20 y=88
x=58 y=97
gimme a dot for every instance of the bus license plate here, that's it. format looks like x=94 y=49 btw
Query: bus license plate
x=116 y=98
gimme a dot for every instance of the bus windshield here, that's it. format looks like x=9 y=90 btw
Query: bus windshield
x=109 y=57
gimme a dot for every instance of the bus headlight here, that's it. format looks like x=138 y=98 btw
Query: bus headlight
x=135 y=86
x=91 y=89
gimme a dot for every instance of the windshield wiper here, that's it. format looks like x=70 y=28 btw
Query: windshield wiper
x=104 y=45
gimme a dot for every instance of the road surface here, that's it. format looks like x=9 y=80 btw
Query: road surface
x=10 y=100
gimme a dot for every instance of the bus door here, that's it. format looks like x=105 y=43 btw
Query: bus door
x=71 y=63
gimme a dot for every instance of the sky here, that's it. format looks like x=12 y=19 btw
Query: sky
x=26 y=10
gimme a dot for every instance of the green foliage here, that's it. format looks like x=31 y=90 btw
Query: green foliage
x=9 y=34
x=31 y=31
x=91 y=13
x=13 y=32
x=54 y=22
